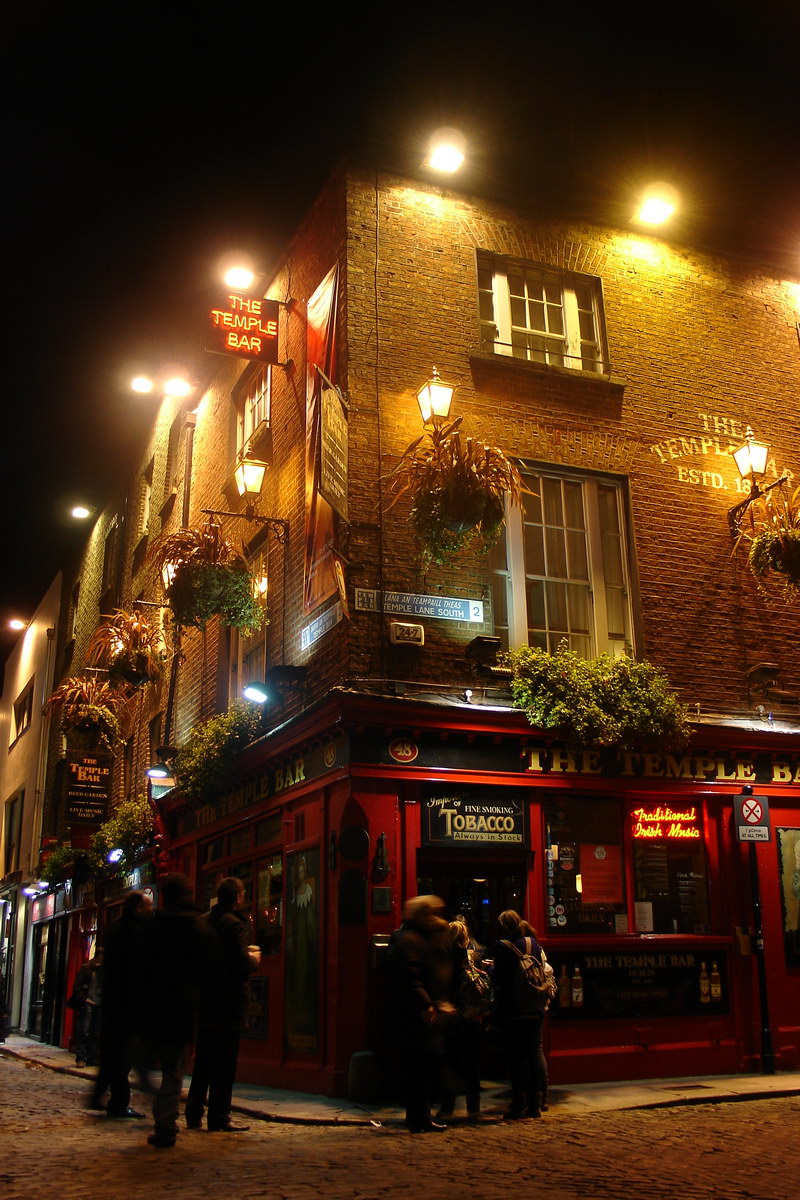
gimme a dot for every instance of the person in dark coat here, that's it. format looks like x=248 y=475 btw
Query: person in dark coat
x=417 y=981
x=521 y=1032
x=86 y=1001
x=223 y=1013
x=178 y=951
x=121 y=1005
x=463 y=1032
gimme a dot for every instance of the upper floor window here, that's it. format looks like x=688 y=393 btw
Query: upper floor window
x=562 y=571
x=253 y=409
x=147 y=497
x=12 y=829
x=540 y=314
x=72 y=613
x=110 y=558
x=23 y=712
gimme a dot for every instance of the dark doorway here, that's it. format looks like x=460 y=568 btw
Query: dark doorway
x=475 y=888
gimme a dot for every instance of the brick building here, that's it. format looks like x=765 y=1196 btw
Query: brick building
x=620 y=371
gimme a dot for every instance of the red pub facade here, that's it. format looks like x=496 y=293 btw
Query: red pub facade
x=619 y=372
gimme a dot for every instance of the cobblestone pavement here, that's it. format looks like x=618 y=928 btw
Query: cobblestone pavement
x=50 y=1144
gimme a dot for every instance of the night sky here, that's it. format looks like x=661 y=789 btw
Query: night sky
x=144 y=141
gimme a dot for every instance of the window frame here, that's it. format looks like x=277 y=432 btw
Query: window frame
x=503 y=329
x=629 y=874
x=253 y=403
x=517 y=577
x=22 y=713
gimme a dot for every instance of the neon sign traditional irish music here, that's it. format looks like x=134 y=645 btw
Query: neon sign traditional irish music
x=665 y=822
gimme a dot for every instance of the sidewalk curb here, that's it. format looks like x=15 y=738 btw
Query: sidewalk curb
x=243 y=1109
x=716 y=1094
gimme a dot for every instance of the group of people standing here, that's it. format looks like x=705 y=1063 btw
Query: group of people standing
x=169 y=978
x=438 y=1013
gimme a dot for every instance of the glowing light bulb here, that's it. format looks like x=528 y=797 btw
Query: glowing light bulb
x=447 y=148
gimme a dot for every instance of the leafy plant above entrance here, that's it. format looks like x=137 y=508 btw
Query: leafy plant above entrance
x=773 y=539
x=204 y=764
x=130 y=647
x=457 y=487
x=208 y=577
x=603 y=701
x=130 y=828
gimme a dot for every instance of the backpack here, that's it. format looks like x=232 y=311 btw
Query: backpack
x=534 y=981
x=475 y=996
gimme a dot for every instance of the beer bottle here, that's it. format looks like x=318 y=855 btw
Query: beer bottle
x=716 y=983
x=705 y=985
x=564 y=994
x=577 y=989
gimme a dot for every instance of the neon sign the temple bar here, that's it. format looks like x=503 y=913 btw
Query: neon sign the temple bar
x=665 y=822
x=246 y=326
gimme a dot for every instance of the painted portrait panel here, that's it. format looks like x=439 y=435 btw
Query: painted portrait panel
x=788 y=843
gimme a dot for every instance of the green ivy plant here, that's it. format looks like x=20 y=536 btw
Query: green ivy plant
x=204 y=764
x=64 y=862
x=457 y=487
x=130 y=829
x=605 y=701
x=208 y=577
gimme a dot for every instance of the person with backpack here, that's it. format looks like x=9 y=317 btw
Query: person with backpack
x=524 y=983
x=472 y=996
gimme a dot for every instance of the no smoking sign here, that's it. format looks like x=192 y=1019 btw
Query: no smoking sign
x=751 y=816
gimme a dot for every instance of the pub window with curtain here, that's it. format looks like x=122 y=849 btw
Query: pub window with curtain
x=540 y=314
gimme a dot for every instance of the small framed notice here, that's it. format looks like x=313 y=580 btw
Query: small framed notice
x=643 y=910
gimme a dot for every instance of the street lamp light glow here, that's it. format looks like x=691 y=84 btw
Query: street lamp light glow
x=80 y=512
x=446 y=153
x=142 y=384
x=177 y=387
x=17 y=624
x=239 y=277
x=659 y=202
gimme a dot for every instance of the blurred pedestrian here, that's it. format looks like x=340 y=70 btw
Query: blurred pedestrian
x=86 y=1003
x=417 y=980
x=223 y=1011
x=121 y=1032
x=177 y=954
x=5 y=1010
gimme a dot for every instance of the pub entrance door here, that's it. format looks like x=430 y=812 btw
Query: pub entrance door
x=475 y=888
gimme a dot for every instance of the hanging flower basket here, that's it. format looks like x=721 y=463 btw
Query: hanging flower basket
x=458 y=488
x=208 y=577
x=773 y=539
x=89 y=711
x=130 y=647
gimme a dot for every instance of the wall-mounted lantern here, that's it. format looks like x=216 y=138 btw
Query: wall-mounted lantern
x=434 y=399
x=751 y=463
x=249 y=474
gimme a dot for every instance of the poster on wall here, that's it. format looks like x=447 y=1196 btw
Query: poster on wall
x=788 y=843
x=601 y=874
x=302 y=953
x=321 y=520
